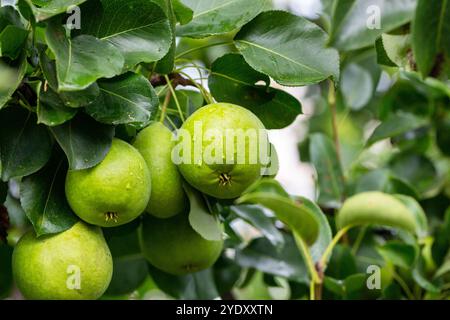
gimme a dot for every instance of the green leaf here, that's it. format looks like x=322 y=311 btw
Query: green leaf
x=418 y=213
x=11 y=76
x=12 y=33
x=84 y=141
x=354 y=24
x=43 y=199
x=330 y=177
x=82 y=60
x=392 y=50
x=129 y=266
x=25 y=146
x=395 y=125
x=376 y=208
x=183 y=13
x=270 y=44
x=233 y=80
x=285 y=262
x=256 y=216
x=48 y=9
x=51 y=110
x=430 y=30
x=400 y=254
x=127 y=99
x=325 y=234
x=166 y=64
x=12 y=39
x=144 y=38
x=384 y=180
x=72 y=99
x=271 y=195
x=219 y=16
x=204 y=223
x=419 y=171
x=195 y=286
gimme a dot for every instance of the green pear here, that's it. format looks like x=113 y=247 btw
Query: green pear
x=74 y=264
x=114 y=192
x=219 y=150
x=174 y=247
x=167 y=197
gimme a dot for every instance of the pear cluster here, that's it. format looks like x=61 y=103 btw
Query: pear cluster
x=133 y=179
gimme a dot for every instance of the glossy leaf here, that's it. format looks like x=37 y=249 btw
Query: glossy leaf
x=355 y=23
x=233 y=80
x=376 y=208
x=270 y=45
x=43 y=199
x=12 y=33
x=256 y=216
x=144 y=38
x=219 y=16
x=25 y=146
x=84 y=141
x=183 y=13
x=262 y=255
x=127 y=99
x=48 y=9
x=270 y=194
x=329 y=173
x=82 y=60
x=11 y=76
x=203 y=222
x=72 y=99
x=51 y=110
x=430 y=31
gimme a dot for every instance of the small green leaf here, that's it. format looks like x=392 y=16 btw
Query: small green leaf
x=203 y=222
x=256 y=216
x=183 y=13
x=43 y=199
x=325 y=235
x=270 y=45
x=395 y=125
x=84 y=141
x=400 y=254
x=12 y=33
x=271 y=195
x=430 y=31
x=82 y=60
x=376 y=208
x=233 y=80
x=11 y=76
x=51 y=110
x=418 y=213
x=358 y=23
x=127 y=99
x=330 y=177
x=25 y=146
x=48 y=9
x=285 y=262
x=219 y=16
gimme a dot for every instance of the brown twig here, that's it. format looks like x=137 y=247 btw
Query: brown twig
x=176 y=80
